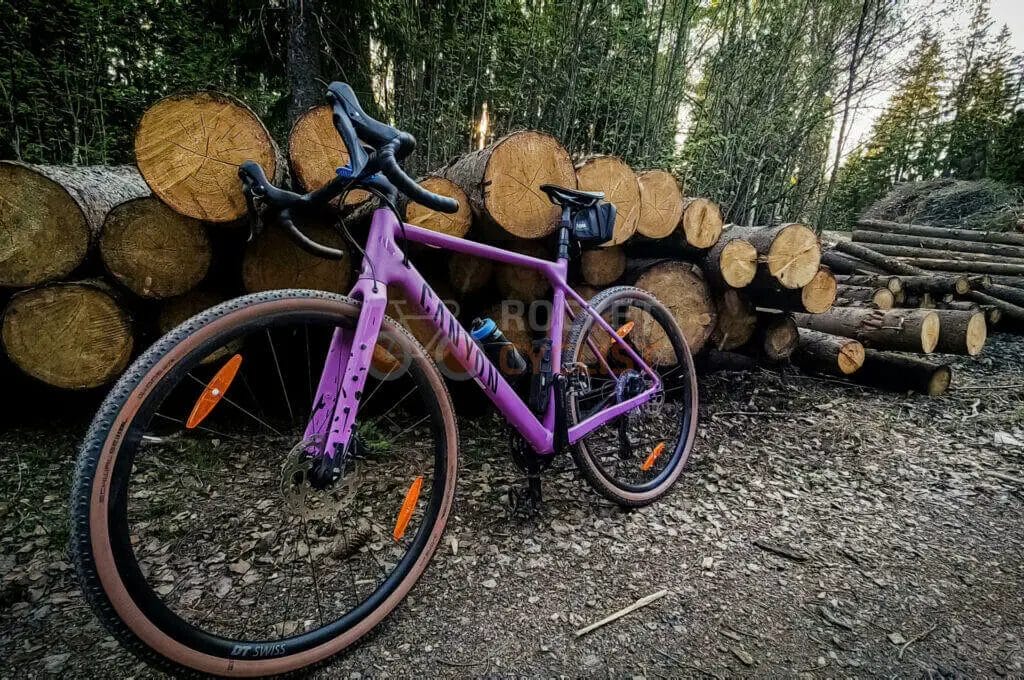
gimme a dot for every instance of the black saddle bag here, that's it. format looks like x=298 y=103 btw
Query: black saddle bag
x=594 y=225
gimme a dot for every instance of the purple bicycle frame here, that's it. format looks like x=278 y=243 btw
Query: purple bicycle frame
x=349 y=356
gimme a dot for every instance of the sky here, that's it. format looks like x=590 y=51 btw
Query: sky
x=1008 y=12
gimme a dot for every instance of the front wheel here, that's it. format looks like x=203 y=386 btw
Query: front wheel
x=201 y=536
x=635 y=459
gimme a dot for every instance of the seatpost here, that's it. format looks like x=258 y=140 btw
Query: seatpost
x=563 y=233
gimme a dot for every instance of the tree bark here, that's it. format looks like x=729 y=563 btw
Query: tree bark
x=908 y=252
x=502 y=182
x=842 y=263
x=50 y=216
x=910 y=330
x=902 y=373
x=303 y=64
x=816 y=297
x=893 y=283
x=873 y=238
x=1009 y=309
x=961 y=332
x=957 y=266
x=887 y=264
x=790 y=252
x=68 y=335
x=832 y=354
x=879 y=298
x=936 y=284
x=942 y=232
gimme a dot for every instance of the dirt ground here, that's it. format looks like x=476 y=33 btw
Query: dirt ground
x=823 y=530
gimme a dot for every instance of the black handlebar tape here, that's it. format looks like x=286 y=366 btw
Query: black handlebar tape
x=306 y=243
x=408 y=186
x=371 y=131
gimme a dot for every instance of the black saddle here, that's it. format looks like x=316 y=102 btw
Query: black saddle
x=573 y=198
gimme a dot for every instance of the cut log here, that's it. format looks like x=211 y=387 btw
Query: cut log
x=702 y=222
x=68 y=335
x=892 y=283
x=993 y=315
x=452 y=224
x=791 y=252
x=179 y=309
x=736 y=322
x=520 y=283
x=617 y=180
x=909 y=330
x=684 y=292
x=49 y=216
x=188 y=149
x=502 y=182
x=153 y=251
x=941 y=265
x=816 y=297
x=1009 y=310
x=831 y=354
x=316 y=151
x=936 y=284
x=777 y=336
x=468 y=274
x=603 y=266
x=841 y=263
x=902 y=373
x=275 y=261
x=925 y=243
x=1007 y=293
x=961 y=332
x=884 y=262
x=908 y=252
x=661 y=204
x=879 y=298
x=942 y=232
x=731 y=262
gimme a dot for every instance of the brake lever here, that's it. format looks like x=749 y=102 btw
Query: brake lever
x=343 y=124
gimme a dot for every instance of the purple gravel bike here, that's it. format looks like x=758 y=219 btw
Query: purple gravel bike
x=269 y=480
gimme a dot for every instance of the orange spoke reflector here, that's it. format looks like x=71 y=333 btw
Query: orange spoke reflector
x=408 y=506
x=658 y=450
x=624 y=329
x=214 y=391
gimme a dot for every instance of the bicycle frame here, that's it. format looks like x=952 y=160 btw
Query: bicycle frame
x=349 y=356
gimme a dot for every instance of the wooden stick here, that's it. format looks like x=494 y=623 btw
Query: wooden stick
x=642 y=602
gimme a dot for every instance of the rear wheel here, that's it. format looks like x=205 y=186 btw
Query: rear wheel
x=635 y=459
x=203 y=538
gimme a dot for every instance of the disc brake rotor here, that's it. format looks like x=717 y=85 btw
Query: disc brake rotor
x=302 y=499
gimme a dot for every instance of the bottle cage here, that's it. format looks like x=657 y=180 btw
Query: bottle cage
x=594 y=224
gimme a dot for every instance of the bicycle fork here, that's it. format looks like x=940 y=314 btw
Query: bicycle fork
x=332 y=424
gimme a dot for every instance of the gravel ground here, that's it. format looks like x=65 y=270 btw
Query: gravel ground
x=823 y=530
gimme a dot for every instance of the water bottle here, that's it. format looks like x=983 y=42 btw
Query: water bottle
x=500 y=351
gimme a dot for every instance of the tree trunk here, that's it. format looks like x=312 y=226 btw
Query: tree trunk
x=791 y=252
x=275 y=261
x=468 y=274
x=661 y=204
x=926 y=253
x=1009 y=309
x=731 y=262
x=832 y=354
x=315 y=152
x=873 y=238
x=152 y=250
x=188 y=149
x=777 y=336
x=902 y=373
x=68 y=335
x=961 y=332
x=958 y=266
x=682 y=289
x=909 y=330
x=702 y=223
x=603 y=266
x=50 y=215
x=879 y=298
x=845 y=264
x=816 y=297
x=736 y=322
x=936 y=284
x=893 y=283
x=303 y=65
x=1007 y=293
x=452 y=224
x=942 y=232
x=887 y=264
x=611 y=175
x=502 y=182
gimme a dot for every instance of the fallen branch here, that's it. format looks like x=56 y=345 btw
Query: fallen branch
x=917 y=638
x=642 y=602
x=781 y=551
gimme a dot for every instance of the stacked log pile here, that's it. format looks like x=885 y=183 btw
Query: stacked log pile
x=156 y=243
